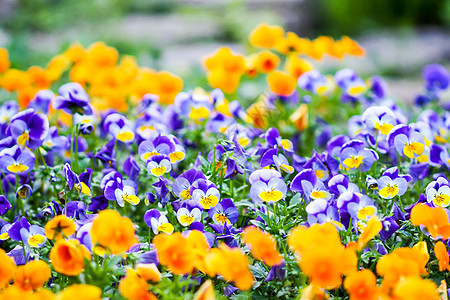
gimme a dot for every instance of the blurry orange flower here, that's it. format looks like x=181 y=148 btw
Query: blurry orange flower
x=296 y=66
x=266 y=61
x=112 y=231
x=99 y=55
x=372 y=228
x=7 y=268
x=302 y=238
x=80 y=291
x=348 y=46
x=57 y=65
x=402 y=262
x=262 y=245
x=415 y=288
x=205 y=292
x=300 y=117
x=313 y=292
x=442 y=255
x=225 y=69
x=362 y=285
x=149 y=272
x=434 y=219
x=200 y=248
x=4 y=60
x=59 y=227
x=32 y=276
x=266 y=36
x=257 y=114
x=25 y=95
x=67 y=257
x=14 y=80
x=75 y=52
x=292 y=43
x=281 y=83
x=175 y=253
x=232 y=264
x=227 y=82
x=325 y=266
x=134 y=287
x=321 y=254
x=227 y=60
x=168 y=86
x=39 y=77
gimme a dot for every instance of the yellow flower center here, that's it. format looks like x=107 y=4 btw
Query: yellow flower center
x=271 y=196
x=353 y=162
x=413 y=148
x=17 y=168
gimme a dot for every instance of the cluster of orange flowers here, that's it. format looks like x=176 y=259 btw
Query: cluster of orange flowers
x=230 y=263
x=28 y=282
x=134 y=285
x=325 y=260
x=111 y=81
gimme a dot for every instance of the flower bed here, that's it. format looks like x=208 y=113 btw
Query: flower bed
x=122 y=185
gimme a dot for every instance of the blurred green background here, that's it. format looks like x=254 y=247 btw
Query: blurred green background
x=400 y=35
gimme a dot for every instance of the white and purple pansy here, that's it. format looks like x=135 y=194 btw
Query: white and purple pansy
x=267 y=185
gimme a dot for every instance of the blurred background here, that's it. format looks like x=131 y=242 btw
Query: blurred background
x=400 y=36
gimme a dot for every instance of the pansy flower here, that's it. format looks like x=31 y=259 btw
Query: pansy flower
x=354 y=155
x=318 y=166
x=107 y=154
x=126 y=194
x=72 y=98
x=157 y=222
x=273 y=138
x=267 y=186
x=41 y=101
x=282 y=164
x=4 y=231
x=31 y=235
x=158 y=165
x=379 y=119
x=162 y=144
x=407 y=141
x=438 y=192
x=195 y=106
x=225 y=212
x=16 y=160
x=131 y=168
x=307 y=183
x=362 y=210
x=190 y=211
x=119 y=127
x=315 y=82
x=320 y=211
x=28 y=128
x=7 y=110
x=182 y=184
x=391 y=185
x=205 y=192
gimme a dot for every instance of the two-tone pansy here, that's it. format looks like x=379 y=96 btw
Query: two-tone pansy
x=392 y=184
x=158 y=165
x=321 y=211
x=119 y=127
x=205 y=192
x=225 y=212
x=308 y=185
x=182 y=184
x=354 y=155
x=189 y=211
x=29 y=129
x=379 y=119
x=438 y=192
x=16 y=160
x=267 y=186
x=407 y=141
x=157 y=222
